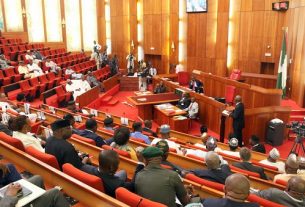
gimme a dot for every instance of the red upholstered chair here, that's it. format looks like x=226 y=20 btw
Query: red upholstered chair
x=134 y=200
x=4 y=80
x=44 y=157
x=210 y=184
x=91 y=180
x=11 y=141
x=183 y=78
x=120 y=152
x=235 y=75
x=281 y=182
x=84 y=139
x=10 y=72
x=245 y=172
x=52 y=77
x=44 y=80
x=262 y=202
x=35 y=82
x=63 y=96
x=27 y=89
x=230 y=94
x=51 y=101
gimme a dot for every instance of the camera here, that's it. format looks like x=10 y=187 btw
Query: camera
x=298 y=128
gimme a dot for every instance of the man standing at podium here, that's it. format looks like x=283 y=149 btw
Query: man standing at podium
x=238 y=115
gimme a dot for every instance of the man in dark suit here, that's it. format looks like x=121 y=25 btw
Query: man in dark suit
x=90 y=132
x=245 y=156
x=185 y=101
x=147 y=128
x=215 y=172
x=196 y=85
x=236 y=190
x=238 y=116
x=160 y=88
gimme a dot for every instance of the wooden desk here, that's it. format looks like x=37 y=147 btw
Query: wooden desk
x=87 y=97
x=145 y=108
x=167 y=116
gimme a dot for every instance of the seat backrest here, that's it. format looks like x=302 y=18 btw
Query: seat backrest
x=210 y=184
x=91 y=180
x=183 y=78
x=134 y=200
x=9 y=72
x=84 y=139
x=248 y=173
x=11 y=141
x=34 y=81
x=120 y=152
x=44 y=157
x=60 y=91
x=281 y=182
x=24 y=85
x=262 y=202
x=235 y=75
x=230 y=93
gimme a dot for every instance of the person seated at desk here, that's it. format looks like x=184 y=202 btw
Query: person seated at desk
x=256 y=145
x=235 y=195
x=53 y=66
x=233 y=145
x=245 y=156
x=165 y=135
x=163 y=146
x=137 y=132
x=147 y=128
x=272 y=160
x=196 y=85
x=92 y=80
x=292 y=166
x=21 y=126
x=121 y=137
x=73 y=74
x=192 y=109
x=90 y=132
x=8 y=175
x=108 y=124
x=63 y=150
x=77 y=87
x=216 y=171
x=71 y=119
x=293 y=195
x=160 y=88
x=4 y=63
x=23 y=69
x=185 y=101
x=34 y=68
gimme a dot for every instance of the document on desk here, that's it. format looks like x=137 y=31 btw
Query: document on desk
x=226 y=113
x=29 y=192
x=142 y=99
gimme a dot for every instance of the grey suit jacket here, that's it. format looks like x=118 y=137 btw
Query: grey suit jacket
x=279 y=196
x=8 y=201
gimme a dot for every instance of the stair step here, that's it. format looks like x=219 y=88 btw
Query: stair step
x=297 y=113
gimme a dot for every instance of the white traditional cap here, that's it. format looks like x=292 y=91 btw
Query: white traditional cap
x=274 y=154
x=164 y=129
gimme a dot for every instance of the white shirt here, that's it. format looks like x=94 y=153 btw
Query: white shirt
x=192 y=109
x=202 y=154
x=280 y=165
x=69 y=71
x=179 y=68
x=29 y=57
x=28 y=140
x=235 y=154
x=152 y=71
x=78 y=87
x=36 y=69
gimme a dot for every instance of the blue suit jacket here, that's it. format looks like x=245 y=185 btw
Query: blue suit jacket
x=91 y=135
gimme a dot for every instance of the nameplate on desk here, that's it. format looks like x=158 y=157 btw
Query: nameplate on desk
x=142 y=99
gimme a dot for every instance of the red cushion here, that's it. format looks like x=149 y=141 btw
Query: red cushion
x=91 y=180
x=248 y=173
x=281 y=182
x=201 y=181
x=120 y=152
x=52 y=101
x=262 y=201
x=84 y=139
x=133 y=200
x=44 y=157
x=11 y=141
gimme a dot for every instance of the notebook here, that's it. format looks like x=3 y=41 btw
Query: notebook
x=27 y=195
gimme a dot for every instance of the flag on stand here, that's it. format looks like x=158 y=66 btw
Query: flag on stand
x=283 y=64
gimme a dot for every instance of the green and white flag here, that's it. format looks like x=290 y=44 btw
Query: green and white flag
x=283 y=64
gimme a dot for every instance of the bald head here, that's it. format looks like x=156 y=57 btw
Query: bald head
x=291 y=164
x=238 y=192
x=108 y=161
x=212 y=160
x=296 y=187
x=237 y=99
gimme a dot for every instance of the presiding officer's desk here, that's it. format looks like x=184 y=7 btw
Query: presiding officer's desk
x=261 y=105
